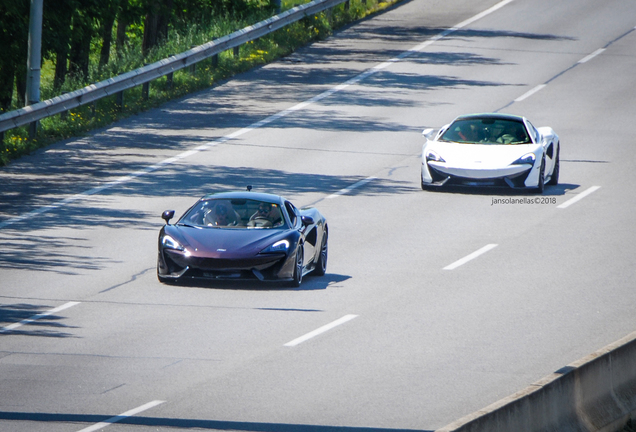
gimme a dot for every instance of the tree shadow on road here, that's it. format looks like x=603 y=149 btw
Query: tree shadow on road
x=45 y=326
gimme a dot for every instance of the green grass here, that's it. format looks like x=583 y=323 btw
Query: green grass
x=105 y=111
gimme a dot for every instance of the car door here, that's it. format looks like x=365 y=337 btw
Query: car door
x=550 y=152
x=297 y=223
x=547 y=142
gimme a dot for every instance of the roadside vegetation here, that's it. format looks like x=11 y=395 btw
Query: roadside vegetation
x=132 y=50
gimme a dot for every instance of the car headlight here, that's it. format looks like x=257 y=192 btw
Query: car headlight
x=432 y=156
x=279 y=246
x=170 y=243
x=527 y=159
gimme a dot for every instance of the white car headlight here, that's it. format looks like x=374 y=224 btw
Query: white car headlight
x=432 y=156
x=527 y=159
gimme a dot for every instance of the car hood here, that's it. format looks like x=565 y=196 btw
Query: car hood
x=224 y=242
x=487 y=155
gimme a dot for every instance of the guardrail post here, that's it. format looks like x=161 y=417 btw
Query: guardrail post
x=193 y=66
x=145 y=90
x=169 y=77
x=33 y=129
x=347 y=5
x=64 y=114
x=236 y=51
x=215 y=60
x=119 y=101
x=2 y=136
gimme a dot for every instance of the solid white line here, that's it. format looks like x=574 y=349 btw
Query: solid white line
x=470 y=257
x=37 y=317
x=260 y=123
x=122 y=416
x=320 y=330
x=352 y=187
x=580 y=196
x=530 y=93
x=483 y=14
x=591 y=56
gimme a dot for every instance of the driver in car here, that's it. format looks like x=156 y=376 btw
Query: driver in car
x=266 y=216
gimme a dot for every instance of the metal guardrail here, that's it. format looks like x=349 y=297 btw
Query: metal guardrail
x=143 y=75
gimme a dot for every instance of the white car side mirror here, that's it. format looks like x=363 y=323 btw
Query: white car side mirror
x=429 y=133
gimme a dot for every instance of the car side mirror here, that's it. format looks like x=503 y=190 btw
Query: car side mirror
x=167 y=215
x=429 y=133
x=307 y=220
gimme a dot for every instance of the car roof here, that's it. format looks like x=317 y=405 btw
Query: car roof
x=498 y=116
x=257 y=196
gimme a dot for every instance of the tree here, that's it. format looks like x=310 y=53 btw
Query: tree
x=83 y=31
x=129 y=12
x=71 y=28
x=158 y=14
x=107 y=20
x=56 y=36
x=14 y=33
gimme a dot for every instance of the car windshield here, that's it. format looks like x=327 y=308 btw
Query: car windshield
x=234 y=213
x=486 y=131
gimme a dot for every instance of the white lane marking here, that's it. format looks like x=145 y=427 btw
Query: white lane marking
x=37 y=317
x=352 y=187
x=579 y=197
x=122 y=416
x=541 y=86
x=483 y=14
x=320 y=330
x=443 y=34
x=260 y=123
x=591 y=56
x=530 y=93
x=470 y=257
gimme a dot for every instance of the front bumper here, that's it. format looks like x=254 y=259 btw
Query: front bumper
x=438 y=174
x=176 y=265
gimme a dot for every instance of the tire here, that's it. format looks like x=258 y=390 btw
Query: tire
x=161 y=278
x=321 y=265
x=541 y=185
x=428 y=187
x=297 y=278
x=554 y=179
x=164 y=280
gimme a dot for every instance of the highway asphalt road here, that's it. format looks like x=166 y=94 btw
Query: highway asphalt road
x=87 y=333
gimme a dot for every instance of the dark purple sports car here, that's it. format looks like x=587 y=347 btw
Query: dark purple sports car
x=243 y=235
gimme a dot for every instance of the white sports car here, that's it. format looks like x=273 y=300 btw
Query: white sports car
x=491 y=150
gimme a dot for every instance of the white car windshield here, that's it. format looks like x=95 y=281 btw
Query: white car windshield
x=486 y=131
